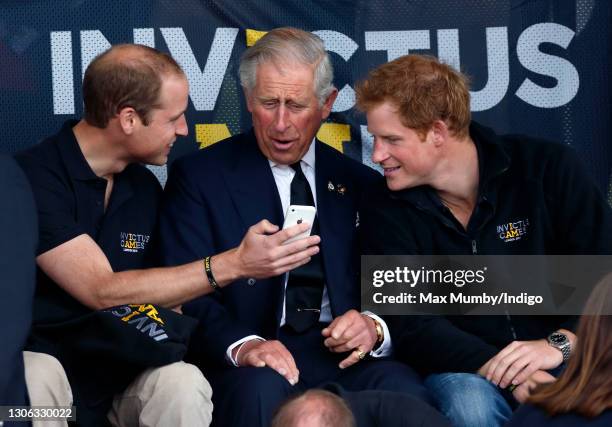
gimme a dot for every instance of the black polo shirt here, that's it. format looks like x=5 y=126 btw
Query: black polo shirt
x=70 y=202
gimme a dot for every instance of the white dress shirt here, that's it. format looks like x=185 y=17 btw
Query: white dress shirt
x=283 y=175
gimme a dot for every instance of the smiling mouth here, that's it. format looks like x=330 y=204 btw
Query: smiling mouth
x=389 y=171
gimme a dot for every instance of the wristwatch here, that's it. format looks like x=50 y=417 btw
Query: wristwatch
x=562 y=343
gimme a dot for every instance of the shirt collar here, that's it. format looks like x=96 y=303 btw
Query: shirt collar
x=70 y=151
x=308 y=158
x=493 y=160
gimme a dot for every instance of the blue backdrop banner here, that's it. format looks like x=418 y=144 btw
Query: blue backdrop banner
x=538 y=67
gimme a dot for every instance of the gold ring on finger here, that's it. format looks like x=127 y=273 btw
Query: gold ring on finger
x=360 y=354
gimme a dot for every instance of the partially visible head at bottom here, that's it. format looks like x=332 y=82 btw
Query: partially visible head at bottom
x=314 y=408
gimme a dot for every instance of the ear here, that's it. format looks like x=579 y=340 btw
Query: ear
x=128 y=120
x=328 y=104
x=439 y=132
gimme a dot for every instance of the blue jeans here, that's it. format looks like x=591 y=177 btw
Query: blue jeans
x=468 y=400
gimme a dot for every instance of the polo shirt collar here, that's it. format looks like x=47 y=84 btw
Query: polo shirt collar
x=492 y=157
x=79 y=169
x=71 y=153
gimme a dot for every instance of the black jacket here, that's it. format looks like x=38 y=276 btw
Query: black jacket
x=539 y=187
x=17 y=264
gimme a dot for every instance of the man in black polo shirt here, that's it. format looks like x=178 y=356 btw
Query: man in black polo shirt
x=451 y=185
x=97 y=207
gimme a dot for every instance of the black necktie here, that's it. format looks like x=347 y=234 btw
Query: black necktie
x=305 y=284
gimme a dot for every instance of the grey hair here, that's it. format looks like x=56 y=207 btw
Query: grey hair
x=289 y=44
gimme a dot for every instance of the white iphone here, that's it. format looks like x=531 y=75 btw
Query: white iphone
x=297 y=214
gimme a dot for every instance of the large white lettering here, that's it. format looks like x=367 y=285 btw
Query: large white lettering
x=93 y=43
x=62 y=76
x=498 y=71
x=204 y=85
x=498 y=67
x=539 y=62
x=397 y=43
x=344 y=46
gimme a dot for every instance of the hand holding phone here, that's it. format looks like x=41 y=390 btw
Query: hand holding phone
x=297 y=214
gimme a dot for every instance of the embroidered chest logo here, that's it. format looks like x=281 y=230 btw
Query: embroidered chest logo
x=132 y=242
x=513 y=231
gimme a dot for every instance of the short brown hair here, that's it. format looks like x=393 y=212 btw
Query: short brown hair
x=585 y=386
x=423 y=89
x=125 y=75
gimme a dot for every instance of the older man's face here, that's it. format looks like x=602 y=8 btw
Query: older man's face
x=285 y=110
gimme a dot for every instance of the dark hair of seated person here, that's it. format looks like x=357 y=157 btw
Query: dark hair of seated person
x=585 y=386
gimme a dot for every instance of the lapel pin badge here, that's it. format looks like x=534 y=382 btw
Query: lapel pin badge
x=341 y=189
x=330 y=186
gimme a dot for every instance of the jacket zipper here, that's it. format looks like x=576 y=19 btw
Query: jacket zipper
x=508 y=318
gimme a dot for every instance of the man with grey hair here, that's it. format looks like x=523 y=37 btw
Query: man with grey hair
x=270 y=338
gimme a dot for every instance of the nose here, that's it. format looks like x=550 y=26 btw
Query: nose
x=379 y=152
x=281 y=122
x=181 y=126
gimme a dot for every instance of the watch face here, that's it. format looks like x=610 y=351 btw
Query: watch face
x=558 y=338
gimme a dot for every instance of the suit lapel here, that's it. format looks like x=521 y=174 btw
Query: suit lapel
x=335 y=216
x=253 y=191
x=251 y=184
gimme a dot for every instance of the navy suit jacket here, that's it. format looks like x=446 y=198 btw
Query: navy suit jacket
x=211 y=199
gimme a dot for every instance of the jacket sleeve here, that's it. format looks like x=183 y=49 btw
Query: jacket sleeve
x=186 y=234
x=433 y=344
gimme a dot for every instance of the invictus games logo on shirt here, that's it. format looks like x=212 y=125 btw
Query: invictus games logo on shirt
x=132 y=242
x=513 y=231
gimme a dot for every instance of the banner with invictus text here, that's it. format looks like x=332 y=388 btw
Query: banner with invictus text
x=539 y=67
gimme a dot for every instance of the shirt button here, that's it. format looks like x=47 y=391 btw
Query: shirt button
x=251 y=281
